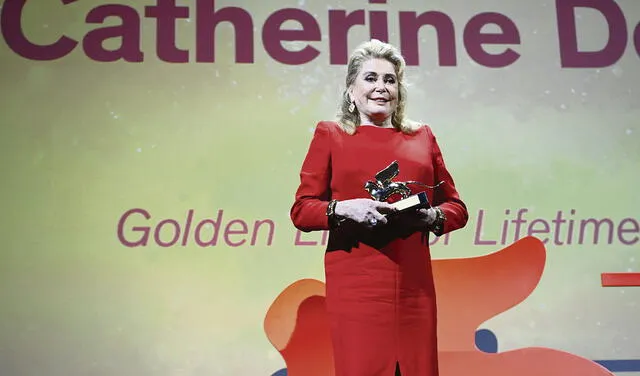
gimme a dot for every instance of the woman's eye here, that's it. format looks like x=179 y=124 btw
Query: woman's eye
x=370 y=78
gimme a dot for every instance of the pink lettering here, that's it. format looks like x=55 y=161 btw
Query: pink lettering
x=242 y=231
x=635 y=229
x=596 y=229
x=175 y=231
x=474 y=39
x=214 y=234
x=166 y=12
x=443 y=24
x=570 y=56
x=128 y=31
x=187 y=227
x=636 y=38
x=11 y=26
x=273 y=35
x=167 y=232
x=339 y=24
x=256 y=229
x=206 y=21
x=378 y=23
x=545 y=230
x=142 y=241
x=480 y=230
x=298 y=240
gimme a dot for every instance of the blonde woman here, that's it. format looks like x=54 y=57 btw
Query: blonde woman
x=380 y=291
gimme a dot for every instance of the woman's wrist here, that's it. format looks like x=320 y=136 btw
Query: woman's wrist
x=437 y=227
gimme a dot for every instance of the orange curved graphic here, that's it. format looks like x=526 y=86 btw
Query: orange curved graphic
x=470 y=291
x=297 y=325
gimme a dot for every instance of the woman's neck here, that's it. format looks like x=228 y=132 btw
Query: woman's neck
x=386 y=123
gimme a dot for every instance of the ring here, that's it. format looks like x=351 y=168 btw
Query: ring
x=373 y=221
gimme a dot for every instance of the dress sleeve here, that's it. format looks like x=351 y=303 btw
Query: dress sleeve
x=308 y=212
x=446 y=196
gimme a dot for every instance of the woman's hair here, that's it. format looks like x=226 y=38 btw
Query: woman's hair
x=375 y=49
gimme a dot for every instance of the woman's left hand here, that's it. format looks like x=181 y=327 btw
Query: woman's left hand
x=421 y=219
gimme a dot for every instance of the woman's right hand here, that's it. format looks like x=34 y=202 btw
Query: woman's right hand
x=364 y=211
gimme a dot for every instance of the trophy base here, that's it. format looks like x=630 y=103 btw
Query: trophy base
x=417 y=201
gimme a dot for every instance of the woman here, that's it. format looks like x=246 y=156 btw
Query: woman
x=380 y=293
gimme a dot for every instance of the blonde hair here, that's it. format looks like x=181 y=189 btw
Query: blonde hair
x=375 y=49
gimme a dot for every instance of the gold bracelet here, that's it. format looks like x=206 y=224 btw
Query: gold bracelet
x=331 y=208
x=334 y=221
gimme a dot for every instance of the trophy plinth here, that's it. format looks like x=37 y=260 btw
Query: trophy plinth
x=414 y=202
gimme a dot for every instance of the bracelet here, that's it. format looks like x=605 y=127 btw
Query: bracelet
x=331 y=208
x=438 y=224
x=331 y=214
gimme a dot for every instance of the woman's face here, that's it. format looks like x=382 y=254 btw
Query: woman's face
x=375 y=91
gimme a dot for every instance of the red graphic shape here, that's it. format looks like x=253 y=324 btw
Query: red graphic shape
x=470 y=292
x=297 y=325
x=620 y=279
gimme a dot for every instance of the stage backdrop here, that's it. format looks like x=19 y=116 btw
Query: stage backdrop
x=151 y=151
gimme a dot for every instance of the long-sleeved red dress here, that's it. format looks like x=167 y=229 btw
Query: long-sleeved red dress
x=380 y=294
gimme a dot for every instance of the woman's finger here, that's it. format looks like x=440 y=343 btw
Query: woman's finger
x=381 y=219
x=385 y=207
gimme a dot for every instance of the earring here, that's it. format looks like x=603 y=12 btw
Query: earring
x=352 y=106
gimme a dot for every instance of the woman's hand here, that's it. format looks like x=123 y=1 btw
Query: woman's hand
x=418 y=220
x=364 y=211
x=425 y=217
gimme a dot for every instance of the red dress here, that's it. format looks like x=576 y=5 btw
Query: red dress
x=380 y=293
